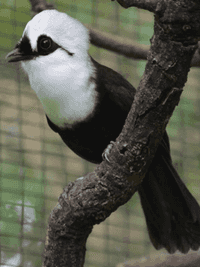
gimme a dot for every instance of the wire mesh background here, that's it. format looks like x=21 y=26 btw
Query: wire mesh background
x=35 y=165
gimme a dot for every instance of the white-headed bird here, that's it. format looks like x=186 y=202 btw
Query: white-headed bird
x=87 y=103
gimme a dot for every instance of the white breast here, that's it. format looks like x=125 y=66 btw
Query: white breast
x=65 y=90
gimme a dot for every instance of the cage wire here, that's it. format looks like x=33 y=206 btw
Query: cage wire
x=35 y=164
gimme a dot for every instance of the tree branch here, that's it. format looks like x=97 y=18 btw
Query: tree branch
x=127 y=47
x=40 y=5
x=118 y=44
x=144 y=4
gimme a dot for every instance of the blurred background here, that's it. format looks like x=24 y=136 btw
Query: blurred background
x=35 y=164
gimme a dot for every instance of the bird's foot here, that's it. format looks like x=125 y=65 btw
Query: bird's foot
x=106 y=152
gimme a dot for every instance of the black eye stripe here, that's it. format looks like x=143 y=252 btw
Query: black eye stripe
x=45 y=46
x=25 y=46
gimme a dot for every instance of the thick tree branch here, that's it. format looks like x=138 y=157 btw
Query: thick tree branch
x=91 y=199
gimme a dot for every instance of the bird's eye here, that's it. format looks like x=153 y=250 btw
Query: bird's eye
x=46 y=45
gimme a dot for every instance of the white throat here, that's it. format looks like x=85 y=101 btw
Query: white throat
x=66 y=89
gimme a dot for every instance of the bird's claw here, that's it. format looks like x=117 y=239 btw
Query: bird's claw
x=107 y=151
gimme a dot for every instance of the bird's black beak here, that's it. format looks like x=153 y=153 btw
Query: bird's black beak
x=16 y=55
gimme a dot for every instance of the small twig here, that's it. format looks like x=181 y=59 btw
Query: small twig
x=150 y=5
x=40 y=5
x=126 y=46
x=118 y=44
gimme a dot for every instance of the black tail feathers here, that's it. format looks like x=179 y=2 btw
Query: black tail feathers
x=172 y=213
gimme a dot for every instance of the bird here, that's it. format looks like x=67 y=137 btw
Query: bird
x=87 y=103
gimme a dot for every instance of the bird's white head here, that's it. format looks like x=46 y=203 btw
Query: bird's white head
x=68 y=33
x=54 y=53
